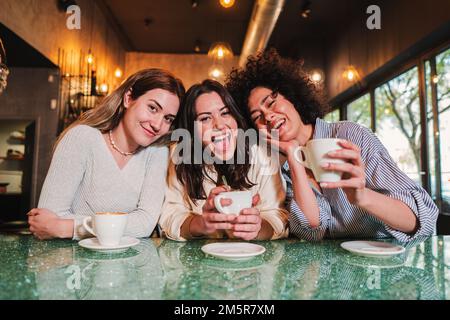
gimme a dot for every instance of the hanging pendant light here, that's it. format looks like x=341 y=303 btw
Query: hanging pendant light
x=227 y=3
x=216 y=72
x=220 y=51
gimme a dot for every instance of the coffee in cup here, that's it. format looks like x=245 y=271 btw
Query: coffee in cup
x=314 y=154
x=240 y=200
x=108 y=227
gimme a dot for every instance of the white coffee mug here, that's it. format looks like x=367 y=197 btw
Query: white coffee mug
x=314 y=154
x=240 y=200
x=108 y=227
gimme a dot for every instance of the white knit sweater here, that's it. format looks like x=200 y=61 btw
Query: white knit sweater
x=84 y=178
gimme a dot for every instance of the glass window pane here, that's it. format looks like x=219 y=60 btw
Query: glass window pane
x=333 y=116
x=398 y=121
x=359 y=111
x=430 y=131
x=443 y=100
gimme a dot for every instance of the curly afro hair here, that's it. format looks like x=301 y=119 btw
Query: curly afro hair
x=267 y=69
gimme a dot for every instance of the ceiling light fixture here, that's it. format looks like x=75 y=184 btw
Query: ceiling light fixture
x=197 y=45
x=220 y=51
x=305 y=11
x=194 y=4
x=227 y=3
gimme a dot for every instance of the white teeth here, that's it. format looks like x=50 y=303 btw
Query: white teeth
x=279 y=124
x=220 y=138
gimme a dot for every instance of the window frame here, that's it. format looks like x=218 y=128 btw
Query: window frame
x=372 y=83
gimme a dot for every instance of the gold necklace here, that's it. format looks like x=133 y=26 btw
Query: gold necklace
x=113 y=144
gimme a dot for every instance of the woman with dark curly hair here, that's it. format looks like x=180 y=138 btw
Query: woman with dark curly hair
x=213 y=120
x=374 y=199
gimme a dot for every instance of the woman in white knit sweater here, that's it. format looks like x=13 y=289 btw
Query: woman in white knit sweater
x=105 y=161
x=210 y=114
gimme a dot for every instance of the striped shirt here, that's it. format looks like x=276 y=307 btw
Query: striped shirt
x=341 y=219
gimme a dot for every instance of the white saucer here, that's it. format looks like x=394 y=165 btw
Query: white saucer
x=373 y=248
x=233 y=250
x=93 y=244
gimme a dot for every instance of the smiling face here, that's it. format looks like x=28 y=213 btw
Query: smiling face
x=272 y=111
x=149 y=116
x=216 y=125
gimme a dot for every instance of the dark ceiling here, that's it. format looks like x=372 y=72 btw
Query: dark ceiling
x=174 y=26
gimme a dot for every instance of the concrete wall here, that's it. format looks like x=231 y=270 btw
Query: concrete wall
x=43 y=26
x=190 y=68
x=28 y=97
x=403 y=23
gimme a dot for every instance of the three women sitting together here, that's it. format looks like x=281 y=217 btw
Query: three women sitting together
x=121 y=157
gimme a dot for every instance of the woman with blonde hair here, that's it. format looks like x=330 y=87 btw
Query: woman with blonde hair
x=107 y=161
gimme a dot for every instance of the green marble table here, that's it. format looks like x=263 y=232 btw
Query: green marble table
x=164 y=269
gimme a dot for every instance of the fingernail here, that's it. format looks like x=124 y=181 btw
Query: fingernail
x=325 y=165
x=324 y=185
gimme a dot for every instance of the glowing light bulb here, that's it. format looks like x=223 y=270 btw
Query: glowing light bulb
x=104 y=88
x=216 y=73
x=350 y=75
x=227 y=3
x=316 y=76
x=118 y=73
x=90 y=58
x=220 y=53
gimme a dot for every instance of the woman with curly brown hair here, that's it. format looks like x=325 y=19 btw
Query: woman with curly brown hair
x=373 y=200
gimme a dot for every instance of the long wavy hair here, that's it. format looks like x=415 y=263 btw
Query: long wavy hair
x=108 y=114
x=192 y=175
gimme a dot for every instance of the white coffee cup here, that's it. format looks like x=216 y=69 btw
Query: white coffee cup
x=240 y=200
x=108 y=227
x=314 y=154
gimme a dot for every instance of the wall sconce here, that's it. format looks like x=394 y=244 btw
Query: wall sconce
x=118 y=73
x=351 y=74
x=317 y=76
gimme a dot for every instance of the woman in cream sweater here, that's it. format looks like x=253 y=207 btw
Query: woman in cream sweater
x=210 y=115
